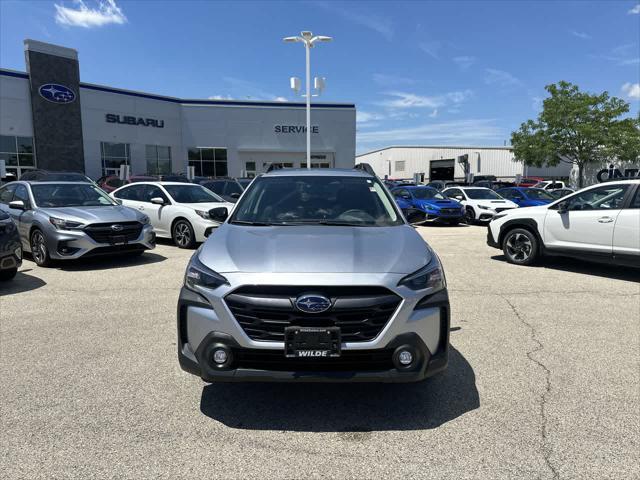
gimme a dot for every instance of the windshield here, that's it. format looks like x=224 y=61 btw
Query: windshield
x=481 y=194
x=51 y=195
x=427 y=194
x=192 y=194
x=535 y=194
x=321 y=200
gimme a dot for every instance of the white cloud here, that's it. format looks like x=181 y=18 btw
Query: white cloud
x=536 y=103
x=500 y=78
x=247 y=90
x=631 y=90
x=434 y=114
x=411 y=100
x=368 y=117
x=464 y=62
x=460 y=132
x=281 y=99
x=431 y=48
x=635 y=10
x=220 y=97
x=622 y=55
x=104 y=13
x=581 y=35
x=380 y=25
x=390 y=80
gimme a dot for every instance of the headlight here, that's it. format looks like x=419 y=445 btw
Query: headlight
x=500 y=215
x=431 y=276
x=62 y=224
x=203 y=214
x=429 y=207
x=199 y=275
x=144 y=220
x=484 y=207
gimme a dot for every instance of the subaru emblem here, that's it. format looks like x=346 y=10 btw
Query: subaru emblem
x=117 y=228
x=55 y=93
x=312 y=303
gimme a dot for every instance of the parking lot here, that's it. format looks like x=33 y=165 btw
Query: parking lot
x=543 y=381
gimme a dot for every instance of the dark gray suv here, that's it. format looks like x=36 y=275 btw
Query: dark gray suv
x=10 y=248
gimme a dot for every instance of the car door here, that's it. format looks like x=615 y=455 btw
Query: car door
x=626 y=232
x=22 y=218
x=158 y=214
x=586 y=223
x=132 y=196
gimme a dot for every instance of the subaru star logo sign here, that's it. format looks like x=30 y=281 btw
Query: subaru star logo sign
x=312 y=303
x=57 y=93
x=117 y=227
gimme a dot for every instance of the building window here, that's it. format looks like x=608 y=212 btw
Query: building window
x=250 y=169
x=158 y=159
x=113 y=155
x=400 y=166
x=208 y=162
x=17 y=153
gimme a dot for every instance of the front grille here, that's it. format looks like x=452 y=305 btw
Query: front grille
x=450 y=211
x=103 y=233
x=263 y=312
x=114 y=249
x=349 y=360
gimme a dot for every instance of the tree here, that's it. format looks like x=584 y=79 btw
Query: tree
x=578 y=128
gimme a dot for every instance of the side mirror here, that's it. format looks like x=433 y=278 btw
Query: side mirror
x=563 y=207
x=459 y=197
x=17 y=205
x=219 y=214
x=157 y=201
x=235 y=195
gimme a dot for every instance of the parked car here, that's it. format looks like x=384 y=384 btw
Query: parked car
x=529 y=181
x=300 y=284
x=599 y=223
x=560 y=192
x=111 y=182
x=436 y=206
x=10 y=247
x=526 y=197
x=493 y=185
x=50 y=176
x=227 y=188
x=480 y=204
x=244 y=181
x=177 y=210
x=69 y=220
x=442 y=184
x=550 y=185
x=484 y=178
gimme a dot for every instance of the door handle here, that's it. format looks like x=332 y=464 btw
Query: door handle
x=140 y=208
x=605 y=220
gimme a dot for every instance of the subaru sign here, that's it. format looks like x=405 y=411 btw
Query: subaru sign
x=312 y=303
x=55 y=93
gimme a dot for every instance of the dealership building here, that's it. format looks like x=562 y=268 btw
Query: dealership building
x=51 y=120
x=454 y=163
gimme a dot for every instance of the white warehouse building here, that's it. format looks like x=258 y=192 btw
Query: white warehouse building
x=441 y=163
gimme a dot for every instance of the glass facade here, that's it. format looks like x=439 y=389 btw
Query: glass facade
x=208 y=161
x=158 y=159
x=18 y=154
x=113 y=155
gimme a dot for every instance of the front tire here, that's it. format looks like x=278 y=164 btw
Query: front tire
x=39 y=250
x=183 y=235
x=6 y=275
x=520 y=246
x=469 y=216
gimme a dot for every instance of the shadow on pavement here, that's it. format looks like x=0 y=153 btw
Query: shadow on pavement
x=318 y=407
x=21 y=283
x=589 y=268
x=109 y=262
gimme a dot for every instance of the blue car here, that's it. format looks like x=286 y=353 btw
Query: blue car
x=436 y=206
x=526 y=197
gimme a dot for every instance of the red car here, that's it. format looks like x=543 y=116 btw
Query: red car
x=110 y=182
x=529 y=181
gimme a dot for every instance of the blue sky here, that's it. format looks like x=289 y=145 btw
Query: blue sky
x=418 y=72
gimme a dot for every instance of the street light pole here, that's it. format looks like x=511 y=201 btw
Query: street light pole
x=309 y=41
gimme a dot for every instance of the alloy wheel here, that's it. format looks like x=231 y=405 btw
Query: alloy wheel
x=38 y=248
x=519 y=247
x=182 y=234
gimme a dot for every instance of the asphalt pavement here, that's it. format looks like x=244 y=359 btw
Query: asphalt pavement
x=543 y=382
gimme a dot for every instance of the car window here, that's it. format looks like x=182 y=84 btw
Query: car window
x=505 y=193
x=427 y=194
x=606 y=197
x=134 y=192
x=192 y=194
x=153 y=191
x=217 y=187
x=21 y=193
x=6 y=193
x=57 y=195
x=114 y=182
x=454 y=193
x=402 y=192
x=232 y=187
x=537 y=194
x=482 y=194
x=635 y=203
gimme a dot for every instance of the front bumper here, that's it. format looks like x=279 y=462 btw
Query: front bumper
x=202 y=327
x=71 y=245
x=11 y=259
x=490 y=240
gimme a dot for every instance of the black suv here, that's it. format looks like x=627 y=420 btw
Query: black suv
x=10 y=248
x=227 y=188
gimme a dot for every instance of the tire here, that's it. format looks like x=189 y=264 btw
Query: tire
x=520 y=246
x=182 y=234
x=6 y=275
x=469 y=216
x=39 y=251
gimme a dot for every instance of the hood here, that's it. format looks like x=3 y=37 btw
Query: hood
x=438 y=204
x=104 y=214
x=496 y=203
x=315 y=249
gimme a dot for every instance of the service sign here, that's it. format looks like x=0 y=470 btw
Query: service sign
x=295 y=129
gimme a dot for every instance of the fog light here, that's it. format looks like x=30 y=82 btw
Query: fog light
x=405 y=357
x=220 y=356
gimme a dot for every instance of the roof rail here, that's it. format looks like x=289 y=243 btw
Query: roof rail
x=274 y=166
x=365 y=167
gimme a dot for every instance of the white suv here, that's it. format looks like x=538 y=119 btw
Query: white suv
x=480 y=203
x=599 y=223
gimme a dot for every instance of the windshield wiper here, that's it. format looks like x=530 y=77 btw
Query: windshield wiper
x=253 y=224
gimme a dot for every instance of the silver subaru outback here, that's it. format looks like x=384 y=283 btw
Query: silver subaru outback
x=315 y=276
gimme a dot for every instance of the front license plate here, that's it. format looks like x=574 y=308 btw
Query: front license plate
x=118 y=240
x=312 y=342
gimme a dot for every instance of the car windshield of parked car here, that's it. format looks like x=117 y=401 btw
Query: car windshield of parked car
x=535 y=194
x=427 y=194
x=192 y=194
x=482 y=194
x=316 y=200
x=58 y=195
